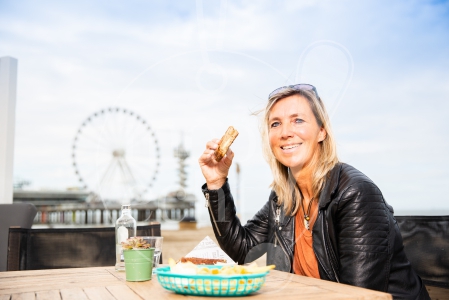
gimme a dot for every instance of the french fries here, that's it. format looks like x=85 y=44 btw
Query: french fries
x=190 y=268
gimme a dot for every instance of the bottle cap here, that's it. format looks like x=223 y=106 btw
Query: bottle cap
x=126 y=206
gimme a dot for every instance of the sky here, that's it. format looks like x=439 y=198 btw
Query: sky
x=190 y=69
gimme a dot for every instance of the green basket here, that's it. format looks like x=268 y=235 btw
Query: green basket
x=210 y=285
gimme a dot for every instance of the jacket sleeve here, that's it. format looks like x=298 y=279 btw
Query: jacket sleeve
x=238 y=241
x=362 y=226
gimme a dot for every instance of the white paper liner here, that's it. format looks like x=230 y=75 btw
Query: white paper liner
x=208 y=249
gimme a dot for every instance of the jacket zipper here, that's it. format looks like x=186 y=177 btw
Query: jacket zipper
x=280 y=245
x=211 y=213
x=277 y=221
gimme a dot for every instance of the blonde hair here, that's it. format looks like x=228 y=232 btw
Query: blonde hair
x=283 y=182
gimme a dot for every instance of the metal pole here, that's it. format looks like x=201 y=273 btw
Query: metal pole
x=237 y=202
x=8 y=86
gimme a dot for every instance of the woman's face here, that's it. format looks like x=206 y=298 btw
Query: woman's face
x=293 y=132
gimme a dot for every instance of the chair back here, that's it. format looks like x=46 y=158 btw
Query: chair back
x=426 y=243
x=34 y=249
x=16 y=214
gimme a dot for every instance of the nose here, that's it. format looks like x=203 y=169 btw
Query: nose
x=286 y=131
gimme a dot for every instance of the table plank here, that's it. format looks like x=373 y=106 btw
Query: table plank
x=24 y=296
x=34 y=281
x=73 y=294
x=48 y=295
x=151 y=290
x=335 y=287
x=123 y=292
x=6 y=297
x=98 y=293
x=291 y=291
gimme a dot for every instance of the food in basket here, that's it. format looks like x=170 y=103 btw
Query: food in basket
x=235 y=270
x=189 y=268
x=203 y=261
x=225 y=142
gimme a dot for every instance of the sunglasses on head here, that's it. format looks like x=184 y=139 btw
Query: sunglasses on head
x=300 y=86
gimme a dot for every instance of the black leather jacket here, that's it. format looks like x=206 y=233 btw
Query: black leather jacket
x=355 y=238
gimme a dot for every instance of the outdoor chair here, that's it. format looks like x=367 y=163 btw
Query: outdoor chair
x=17 y=214
x=426 y=243
x=35 y=249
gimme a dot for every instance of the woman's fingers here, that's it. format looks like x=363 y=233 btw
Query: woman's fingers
x=207 y=155
x=212 y=145
x=230 y=154
x=207 y=158
x=227 y=160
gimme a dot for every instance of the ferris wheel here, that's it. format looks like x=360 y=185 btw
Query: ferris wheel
x=115 y=154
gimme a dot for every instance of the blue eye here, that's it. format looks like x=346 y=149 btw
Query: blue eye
x=274 y=124
x=299 y=121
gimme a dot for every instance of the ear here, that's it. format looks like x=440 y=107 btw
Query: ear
x=322 y=134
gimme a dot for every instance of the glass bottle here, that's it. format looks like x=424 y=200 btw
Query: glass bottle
x=125 y=227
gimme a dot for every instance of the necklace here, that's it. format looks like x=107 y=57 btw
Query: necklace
x=306 y=215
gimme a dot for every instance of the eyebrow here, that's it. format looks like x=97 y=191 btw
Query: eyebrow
x=291 y=116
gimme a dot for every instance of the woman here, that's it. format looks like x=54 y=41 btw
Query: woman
x=323 y=218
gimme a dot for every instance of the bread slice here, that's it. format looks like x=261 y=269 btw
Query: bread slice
x=225 y=142
x=202 y=261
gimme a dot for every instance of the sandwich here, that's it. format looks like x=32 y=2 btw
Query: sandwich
x=202 y=261
x=225 y=143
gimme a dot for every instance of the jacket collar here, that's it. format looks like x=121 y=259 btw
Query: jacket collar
x=330 y=186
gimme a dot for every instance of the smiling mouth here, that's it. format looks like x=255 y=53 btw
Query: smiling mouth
x=288 y=147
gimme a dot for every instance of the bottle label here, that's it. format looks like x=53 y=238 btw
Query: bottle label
x=122 y=234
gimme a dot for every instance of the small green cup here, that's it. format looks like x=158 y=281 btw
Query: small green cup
x=138 y=264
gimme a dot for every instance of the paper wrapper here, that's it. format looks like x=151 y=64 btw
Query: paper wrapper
x=208 y=249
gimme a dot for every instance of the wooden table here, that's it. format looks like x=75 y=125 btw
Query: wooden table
x=106 y=283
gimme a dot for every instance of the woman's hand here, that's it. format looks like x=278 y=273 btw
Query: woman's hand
x=215 y=172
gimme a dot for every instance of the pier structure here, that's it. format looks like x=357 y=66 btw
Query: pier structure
x=65 y=208
x=79 y=207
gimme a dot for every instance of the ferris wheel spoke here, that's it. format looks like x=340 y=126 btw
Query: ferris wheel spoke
x=96 y=126
x=142 y=136
x=93 y=172
x=146 y=148
x=142 y=145
x=108 y=174
x=139 y=152
x=115 y=129
x=96 y=150
x=126 y=130
x=144 y=170
x=122 y=124
x=141 y=173
x=101 y=129
x=105 y=132
x=127 y=174
x=145 y=165
x=141 y=155
x=99 y=141
x=142 y=162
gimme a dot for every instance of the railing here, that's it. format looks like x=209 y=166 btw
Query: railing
x=100 y=214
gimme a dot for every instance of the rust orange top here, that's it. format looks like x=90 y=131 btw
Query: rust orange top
x=304 y=259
